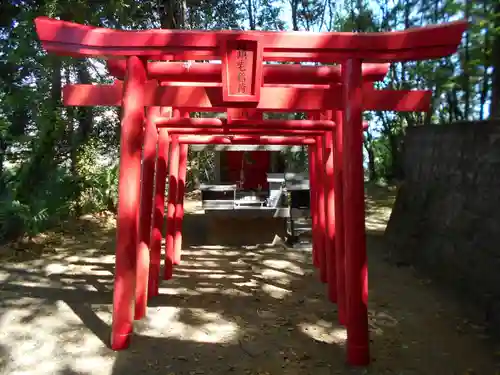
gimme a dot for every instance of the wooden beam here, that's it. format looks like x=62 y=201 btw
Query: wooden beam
x=277 y=99
x=73 y=39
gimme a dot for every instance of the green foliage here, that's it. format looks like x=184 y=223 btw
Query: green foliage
x=100 y=190
x=13 y=216
x=46 y=206
x=297 y=161
x=200 y=168
x=57 y=199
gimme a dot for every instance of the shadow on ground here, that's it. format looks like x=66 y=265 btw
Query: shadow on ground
x=246 y=310
x=253 y=310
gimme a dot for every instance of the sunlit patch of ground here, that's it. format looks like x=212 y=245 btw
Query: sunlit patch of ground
x=379 y=201
x=253 y=310
x=193 y=207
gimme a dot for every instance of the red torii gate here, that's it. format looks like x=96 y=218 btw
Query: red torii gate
x=282 y=127
x=246 y=83
x=290 y=128
x=177 y=176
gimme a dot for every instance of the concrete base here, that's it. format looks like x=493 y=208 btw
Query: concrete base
x=244 y=230
x=249 y=212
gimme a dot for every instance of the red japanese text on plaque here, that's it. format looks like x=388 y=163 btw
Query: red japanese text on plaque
x=242 y=71
x=243 y=66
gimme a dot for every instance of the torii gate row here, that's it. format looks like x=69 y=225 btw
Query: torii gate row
x=177 y=177
x=147 y=278
x=292 y=128
x=241 y=54
x=149 y=242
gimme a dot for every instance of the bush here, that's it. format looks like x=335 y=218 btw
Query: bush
x=100 y=190
x=13 y=216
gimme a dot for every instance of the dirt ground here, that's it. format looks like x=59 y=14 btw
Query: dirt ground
x=227 y=311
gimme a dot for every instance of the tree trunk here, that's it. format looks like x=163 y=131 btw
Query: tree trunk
x=172 y=14
x=251 y=16
x=368 y=143
x=495 y=62
x=85 y=114
x=3 y=149
x=42 y=158
x=466 y=73
x=294 y=4
x=70 y=113
x=486 y=77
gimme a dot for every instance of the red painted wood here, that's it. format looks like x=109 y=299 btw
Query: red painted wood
x=206 y=74
x=171 y=205
x=229 y=132
x=233 y=161
x=311 y=153
x=240 y=126
x=242 y=117
x=253 y=174
x=381 y=56
x=219 y=85
x=275 y=99
x=329 y=213
x=74 y=39
x=314 y=125
x=339 y=219
x=253 y=131
x=131 y=139
x=246 y=140
x=179 y=208
x=256 y=172
x=246 y=175
x=321 y=209
x=159 y=212
x=143 y=246
x=358 y=353
x=434 y=52
x=241 y=59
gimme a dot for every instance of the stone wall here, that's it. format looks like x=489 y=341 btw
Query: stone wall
x=446 y=219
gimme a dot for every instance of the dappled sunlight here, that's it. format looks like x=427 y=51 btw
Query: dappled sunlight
x=379 y=202
x=275 y=276
x=380 y=321
x=275 y=291
x=55 y=268
x=193 y=207
x=192 y=324
x=43 y=338
x=239 y=272
x=52 y=317
x=324 y=332
x=4 y=275
x=280 y=264
x=253 y=309
x=376 y=223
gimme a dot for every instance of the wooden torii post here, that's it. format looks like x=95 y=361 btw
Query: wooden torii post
x=243 y=85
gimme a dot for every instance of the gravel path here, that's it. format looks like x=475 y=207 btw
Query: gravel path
x=228 y=311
